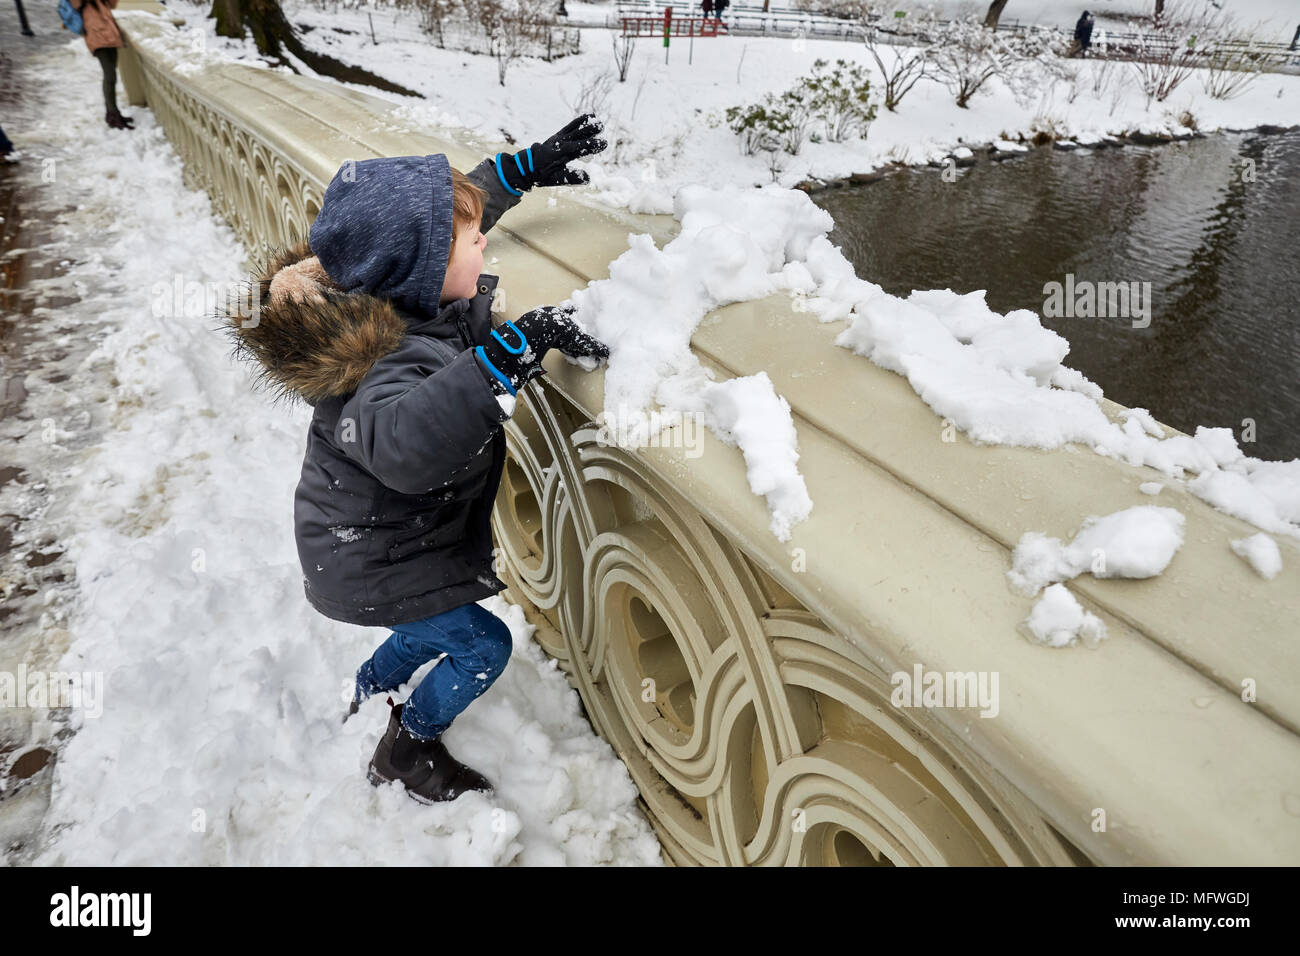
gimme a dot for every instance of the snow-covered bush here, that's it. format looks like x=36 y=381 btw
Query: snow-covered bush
x=840 y=98
x=1188 y=36
x=1163 y=62
x=967 y=56
x=762 y=127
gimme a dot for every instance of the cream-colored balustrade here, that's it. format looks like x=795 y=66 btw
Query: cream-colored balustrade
x=768 y=735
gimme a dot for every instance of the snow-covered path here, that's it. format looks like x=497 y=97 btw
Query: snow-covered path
x=219 y=740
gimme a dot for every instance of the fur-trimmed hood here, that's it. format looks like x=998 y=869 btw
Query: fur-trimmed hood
x=308 y=337
x=374 y=263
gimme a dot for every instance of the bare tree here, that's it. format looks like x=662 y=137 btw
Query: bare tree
x=512 y=28
x=995 y=13
x=274 y=34
x=434 y=15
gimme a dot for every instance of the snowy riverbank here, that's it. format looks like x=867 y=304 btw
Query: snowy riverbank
x=667 y=121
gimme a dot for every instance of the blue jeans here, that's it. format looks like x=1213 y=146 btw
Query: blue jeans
x=477 y=644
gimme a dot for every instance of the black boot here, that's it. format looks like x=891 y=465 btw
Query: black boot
x=424 y=767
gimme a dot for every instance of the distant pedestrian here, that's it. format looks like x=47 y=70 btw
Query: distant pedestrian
x=104 y=39
x=1083 y=32
x=707 y=7
x=720 y=7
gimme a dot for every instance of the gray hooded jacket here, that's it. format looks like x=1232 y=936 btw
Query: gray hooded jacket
x=405 y=448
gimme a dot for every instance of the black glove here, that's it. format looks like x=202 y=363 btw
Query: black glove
x=514 y=353
x=545 y=164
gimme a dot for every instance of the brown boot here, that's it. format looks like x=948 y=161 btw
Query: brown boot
x=117 y=121
x=429 y=773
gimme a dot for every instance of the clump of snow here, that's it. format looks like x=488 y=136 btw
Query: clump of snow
x=734 y=245
x=1151 y=487
x=1057 y=619
x=999 y=379
x=1261 y=553
x=1137 y=542
x=747 y=412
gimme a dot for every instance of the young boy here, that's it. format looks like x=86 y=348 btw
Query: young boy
x=381 y=321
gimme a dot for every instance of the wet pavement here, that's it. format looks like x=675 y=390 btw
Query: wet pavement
x=38 y=439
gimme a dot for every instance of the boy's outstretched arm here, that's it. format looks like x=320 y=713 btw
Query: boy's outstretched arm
x=505 y=177
x=413 y=429
x=498 y=201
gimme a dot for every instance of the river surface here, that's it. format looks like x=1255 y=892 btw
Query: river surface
x=1212 y=224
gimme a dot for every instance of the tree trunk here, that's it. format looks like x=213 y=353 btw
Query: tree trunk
x=273 y=35
x=1160 y=11
x=995 y=12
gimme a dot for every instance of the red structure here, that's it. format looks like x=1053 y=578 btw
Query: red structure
x=647 y=26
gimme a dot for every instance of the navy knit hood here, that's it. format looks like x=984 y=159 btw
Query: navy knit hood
x=385 y=228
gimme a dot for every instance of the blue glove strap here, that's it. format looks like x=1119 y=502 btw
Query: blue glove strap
x=495 y=371
x=523 y=342
x=502 y=176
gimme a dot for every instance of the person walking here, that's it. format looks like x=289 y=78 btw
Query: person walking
x=104 y=39
x=1083 y=32
x=707 y=7
x=719 y=7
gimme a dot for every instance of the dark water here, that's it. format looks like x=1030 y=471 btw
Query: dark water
x=1221 y=252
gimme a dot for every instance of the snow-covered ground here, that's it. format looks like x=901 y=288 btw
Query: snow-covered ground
x=667 y=121
x=219 y=739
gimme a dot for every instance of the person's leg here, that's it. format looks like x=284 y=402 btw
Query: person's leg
x=476 y=642
x=107 y=56
x=478 y=646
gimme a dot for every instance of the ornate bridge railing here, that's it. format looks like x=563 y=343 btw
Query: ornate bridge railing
x=746 y=683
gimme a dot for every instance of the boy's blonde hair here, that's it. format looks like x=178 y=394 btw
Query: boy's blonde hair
x=466 y=200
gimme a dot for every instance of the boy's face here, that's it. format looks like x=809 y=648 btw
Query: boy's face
x=466 y=263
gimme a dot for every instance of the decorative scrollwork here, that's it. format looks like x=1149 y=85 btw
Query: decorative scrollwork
x=756 y=734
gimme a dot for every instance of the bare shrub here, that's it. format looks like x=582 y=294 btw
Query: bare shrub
x=623 y=49
x=901 y=68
